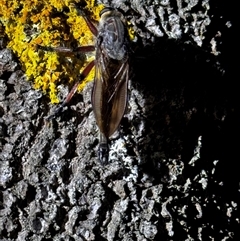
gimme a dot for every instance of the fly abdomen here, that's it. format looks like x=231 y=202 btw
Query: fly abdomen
x=103 y=150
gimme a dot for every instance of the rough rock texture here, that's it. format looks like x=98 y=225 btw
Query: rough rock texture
x=173 y=171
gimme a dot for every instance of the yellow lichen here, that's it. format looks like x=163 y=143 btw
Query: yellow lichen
x=131 y=32
x=50 y=23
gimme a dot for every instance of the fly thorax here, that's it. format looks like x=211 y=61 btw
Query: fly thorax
x=113 y=36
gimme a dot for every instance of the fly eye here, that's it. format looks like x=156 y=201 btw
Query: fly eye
x=107 y=9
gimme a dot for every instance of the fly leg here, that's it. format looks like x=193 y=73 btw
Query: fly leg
x=89 y=23
x=68 y=51
x=73 y=90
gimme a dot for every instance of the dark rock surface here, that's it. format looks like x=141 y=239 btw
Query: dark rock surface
x=173 y=171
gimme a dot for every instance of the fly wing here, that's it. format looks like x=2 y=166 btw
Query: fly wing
x=109 y=94
x=97 y=93
x=118 y=98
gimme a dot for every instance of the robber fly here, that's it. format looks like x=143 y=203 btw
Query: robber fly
x=109 y=94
